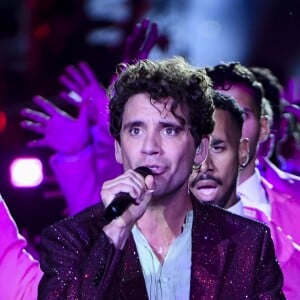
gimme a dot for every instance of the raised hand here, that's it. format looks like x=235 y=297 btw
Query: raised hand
x=141 y=41
x=59 y=131
x=81 y=83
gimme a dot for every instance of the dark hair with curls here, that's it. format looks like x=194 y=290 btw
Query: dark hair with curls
x=227 y=103
x=224 y=75
x=273 y=90
x=189 y=87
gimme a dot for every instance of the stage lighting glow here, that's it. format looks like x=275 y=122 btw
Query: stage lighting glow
x=3 y=121
x=26 y=172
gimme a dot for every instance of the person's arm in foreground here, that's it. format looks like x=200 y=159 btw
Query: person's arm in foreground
x=20 y=274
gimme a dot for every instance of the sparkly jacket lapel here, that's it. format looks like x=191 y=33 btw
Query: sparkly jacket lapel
x=209 y=255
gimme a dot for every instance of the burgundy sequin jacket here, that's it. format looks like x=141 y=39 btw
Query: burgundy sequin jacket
x=232 y=258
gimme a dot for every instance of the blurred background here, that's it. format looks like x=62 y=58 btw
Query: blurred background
x=39 y=38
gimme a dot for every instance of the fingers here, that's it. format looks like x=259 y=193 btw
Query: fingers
x=150 y=41
x=48 y=107
x=134 y=48
x=68 y=83
x=150 y=184
x=71 y=97
x=130 y=182
x=75 y=78
x=76 y=75
x=88 y=72
x=32 y=126
x=37 y=119
x=76 y=97
x=34 y=115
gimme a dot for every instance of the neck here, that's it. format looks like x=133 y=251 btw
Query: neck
x=167 y=211
x=233 y=200
x=162 y=223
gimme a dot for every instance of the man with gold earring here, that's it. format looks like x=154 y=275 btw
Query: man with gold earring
x=215 y=180
x=272 y=199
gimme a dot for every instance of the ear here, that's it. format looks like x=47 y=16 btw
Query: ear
x=202 y=150
x=265 y=128
x=118 y=152
x=244 y=149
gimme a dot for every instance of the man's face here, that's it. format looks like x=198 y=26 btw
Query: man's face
x=151 y=136
x=216 y=182
x=252 y=123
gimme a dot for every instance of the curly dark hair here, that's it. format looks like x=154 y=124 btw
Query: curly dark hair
x=224 y=75
x=227 y=103
x=273 y=90
x=189 y=87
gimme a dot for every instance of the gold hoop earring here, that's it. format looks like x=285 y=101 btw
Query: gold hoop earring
x=243 y=165
x=196 y=167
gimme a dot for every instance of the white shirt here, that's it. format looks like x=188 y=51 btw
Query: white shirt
x=253 y=195
x=170 y=280
x=237 y=209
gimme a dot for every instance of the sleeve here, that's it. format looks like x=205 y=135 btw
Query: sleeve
x=20 y=274
x=284 y=182
x=76 y=177
x=74 y=267
x=269 y=278
x=81 y=176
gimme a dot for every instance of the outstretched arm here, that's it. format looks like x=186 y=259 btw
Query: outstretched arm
x=20 y=274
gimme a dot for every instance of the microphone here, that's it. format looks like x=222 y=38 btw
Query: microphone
x=122 y=199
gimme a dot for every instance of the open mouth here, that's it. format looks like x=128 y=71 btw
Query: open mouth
x=206 y=189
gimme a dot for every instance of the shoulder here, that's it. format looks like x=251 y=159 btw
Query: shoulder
x=227 y=223
x=280 y=181
x=84 y=226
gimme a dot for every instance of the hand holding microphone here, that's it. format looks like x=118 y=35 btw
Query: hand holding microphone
x=123 y=199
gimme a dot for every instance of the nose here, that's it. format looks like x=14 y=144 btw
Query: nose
x=206 y=165
x=151 y=143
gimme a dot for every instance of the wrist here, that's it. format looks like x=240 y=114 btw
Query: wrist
x=71 y=157
x=118 y=232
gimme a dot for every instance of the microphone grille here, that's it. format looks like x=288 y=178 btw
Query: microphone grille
x=144 y=171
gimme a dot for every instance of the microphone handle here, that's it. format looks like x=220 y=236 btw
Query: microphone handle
x=118 y=206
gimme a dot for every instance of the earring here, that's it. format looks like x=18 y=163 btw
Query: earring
x=243 y=165
x=196 y=167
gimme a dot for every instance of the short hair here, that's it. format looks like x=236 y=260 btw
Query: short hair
x=267 y=110
x=227 y=103
x=224 y=75
x=190 y=88
x=272 y=90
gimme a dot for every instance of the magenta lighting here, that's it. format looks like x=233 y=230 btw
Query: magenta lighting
x=26 y=172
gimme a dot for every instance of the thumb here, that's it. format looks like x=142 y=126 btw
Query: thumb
x=149 y=181
x=150 y=184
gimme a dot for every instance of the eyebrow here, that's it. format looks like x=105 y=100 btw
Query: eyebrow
x=165 y=124
x=215 y=142
x=162 y=124
x=133 y=124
